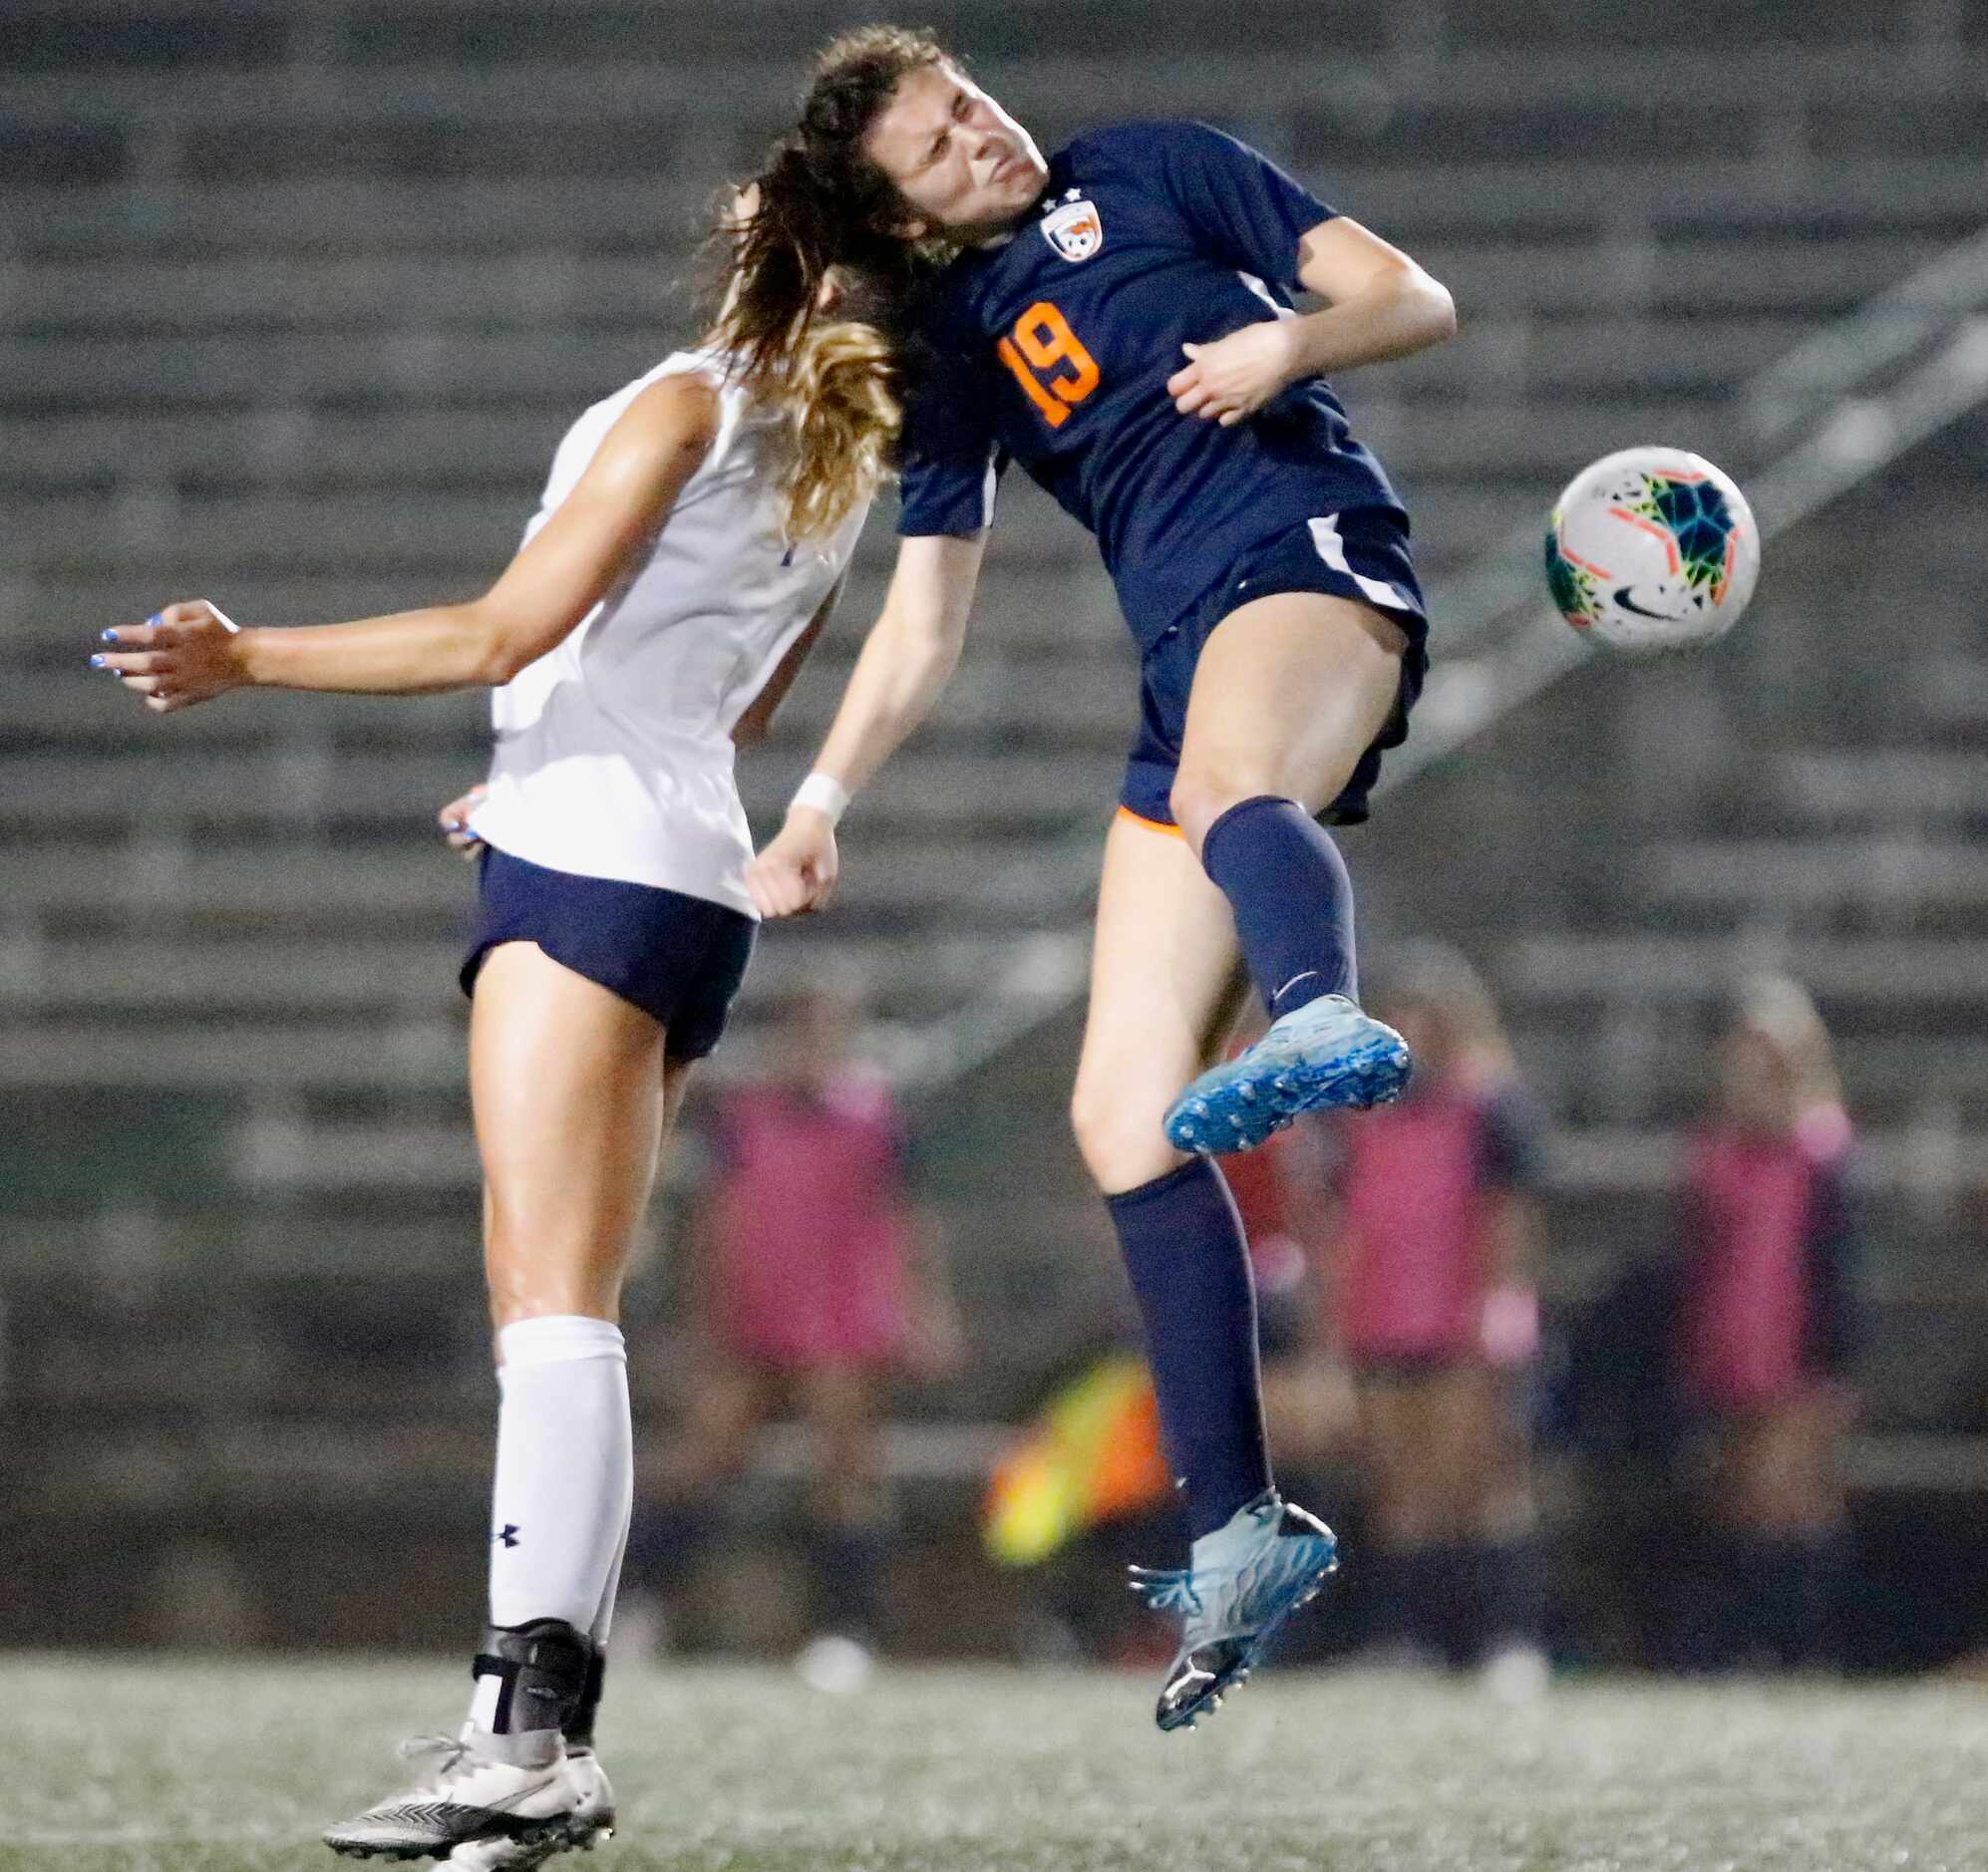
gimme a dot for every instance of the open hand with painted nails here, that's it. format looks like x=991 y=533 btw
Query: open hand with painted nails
x=185 y=654
x=455 y=821
x=1233 y=377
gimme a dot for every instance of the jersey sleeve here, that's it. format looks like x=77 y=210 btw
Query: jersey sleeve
x=949 y=462
x=911 y=1148
x=1836 y=1240
x=1239 y=204
x=1512 y=1145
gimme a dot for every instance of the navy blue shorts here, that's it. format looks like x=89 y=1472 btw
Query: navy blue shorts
x=1361 y=554
x=677 y=957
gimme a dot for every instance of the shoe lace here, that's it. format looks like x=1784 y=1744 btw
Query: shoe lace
x=1184 y=1589
x=1166 y=1590
x=442 y=1754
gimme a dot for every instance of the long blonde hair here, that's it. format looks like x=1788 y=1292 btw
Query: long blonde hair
x=822 y=283
x=1441 y=979
x=1782 y=1012
x=845 y=409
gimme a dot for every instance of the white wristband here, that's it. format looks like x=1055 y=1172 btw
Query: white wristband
x=826 y=795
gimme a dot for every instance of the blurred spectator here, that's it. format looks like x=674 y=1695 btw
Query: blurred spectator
x=1310 y=1413
x=1431 y=1302
x=814 y=1281
x=1766 y=1330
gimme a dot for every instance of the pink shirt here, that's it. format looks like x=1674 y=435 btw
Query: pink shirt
x=1744 y=1325
x=1418 y=1201
x=810 y=1234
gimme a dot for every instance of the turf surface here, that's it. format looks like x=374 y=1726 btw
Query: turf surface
x=138 y=1765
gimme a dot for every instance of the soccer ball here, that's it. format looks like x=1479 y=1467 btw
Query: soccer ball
x=1652 y=549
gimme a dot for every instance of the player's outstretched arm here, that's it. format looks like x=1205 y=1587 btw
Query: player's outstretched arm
x=1382 y=305
x=911 y=650
x=191 y=651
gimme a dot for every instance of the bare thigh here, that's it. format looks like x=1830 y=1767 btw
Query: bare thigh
x=1388 y=1455
x=1777 y=1471
x=572 y=1099
x=1462 y=1435
x=1309 y=1413
x=726 y=1404
x=841 y=1404
x=1165 y=987
x=1289 y=691
x=1429 y=1444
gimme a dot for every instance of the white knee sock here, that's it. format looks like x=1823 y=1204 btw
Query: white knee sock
x=564 y=1471
x=603 y=1617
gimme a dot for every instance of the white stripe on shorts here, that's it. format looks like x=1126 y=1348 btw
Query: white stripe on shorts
x=1332 y=549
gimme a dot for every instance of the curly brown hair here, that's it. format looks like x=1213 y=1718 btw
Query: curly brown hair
x=821 y=200
x=822 y=207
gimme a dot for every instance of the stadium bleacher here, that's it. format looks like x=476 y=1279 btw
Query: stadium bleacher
x=294 y=302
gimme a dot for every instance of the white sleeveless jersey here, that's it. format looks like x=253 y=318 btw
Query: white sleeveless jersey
x=613 y=750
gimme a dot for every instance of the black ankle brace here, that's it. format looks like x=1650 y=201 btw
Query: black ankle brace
x=541 y=1671
x=580 y=1725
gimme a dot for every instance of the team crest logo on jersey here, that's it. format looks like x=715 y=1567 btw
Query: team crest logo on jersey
x=1073 y=228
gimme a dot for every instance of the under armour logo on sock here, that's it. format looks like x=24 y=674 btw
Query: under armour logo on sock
x=508 y=1534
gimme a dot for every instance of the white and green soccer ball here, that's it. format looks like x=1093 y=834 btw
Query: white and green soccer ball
x=1652 y=549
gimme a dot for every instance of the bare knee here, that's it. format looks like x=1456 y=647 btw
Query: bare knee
x=535 y=1279
x=1119 y=1135
x=1203 y=792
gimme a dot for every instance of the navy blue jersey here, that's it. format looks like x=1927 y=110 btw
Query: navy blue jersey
x=1054 y=348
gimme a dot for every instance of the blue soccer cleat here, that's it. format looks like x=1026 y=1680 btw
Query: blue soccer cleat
x=1322 y=1056
x=1262 y=1565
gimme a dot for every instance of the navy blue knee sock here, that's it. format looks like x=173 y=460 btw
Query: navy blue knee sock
x=1189 y=1266
x=1783 y=1595
x=1423 y=1599
x=846 y=1561
x=1515 y=1596
x=1293 y=900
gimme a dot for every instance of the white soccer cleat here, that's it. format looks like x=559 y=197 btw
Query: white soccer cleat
x=591 y=1822
x=465 y=1793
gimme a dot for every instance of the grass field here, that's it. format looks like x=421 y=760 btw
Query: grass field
x=138 y=1765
